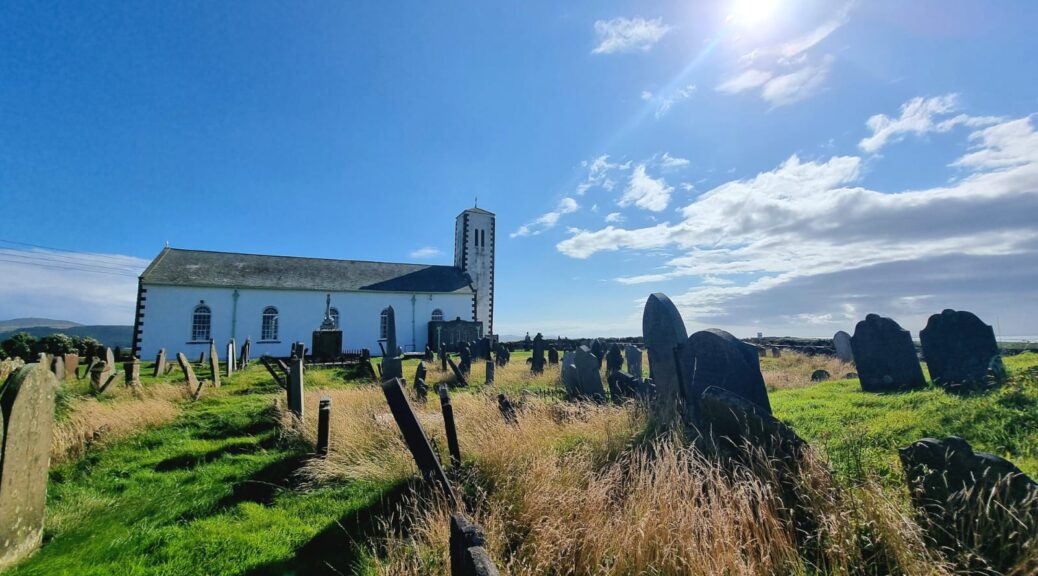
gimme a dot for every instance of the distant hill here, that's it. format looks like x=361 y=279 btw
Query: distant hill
x=16 y=323
x=108 y=335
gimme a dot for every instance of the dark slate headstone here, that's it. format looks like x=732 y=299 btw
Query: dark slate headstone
x=634 y=360
x=553 y=355
x=663 y=332
x=820 y=376
x=489 y=375
x=622 y=386
x=502 y=355
x=776 y=352
x=570 y=379
x=723 y=361
x=414 y=436
x=465 y=358
x=421 y=391
x=428 y=357
x=26 y=424
x=967 y=499
x=885 y=356
x=842 y=345
x=419 y=372
x=589 y=375
x=392 y=366
x=960 y=349
x=537 y=364
x=459 y=376
x=485 y=346
x=507 y=409
x=732 y=419
x=598 y=349
x=614 y=358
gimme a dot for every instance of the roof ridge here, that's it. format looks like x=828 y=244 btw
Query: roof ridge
x=171 y=249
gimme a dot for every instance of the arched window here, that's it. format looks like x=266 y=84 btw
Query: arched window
x=334 y=313
x=201 y=323
x=437 y=315
x=270 y=324
x=383 y=328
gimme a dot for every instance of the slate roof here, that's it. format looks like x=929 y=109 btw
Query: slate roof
x=177 y=267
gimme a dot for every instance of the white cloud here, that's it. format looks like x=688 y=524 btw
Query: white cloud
x=614 y=217
x=646 y=95
x=600 y=173
x=747 y=80
x=919 y=116
x=628 y=35
x=84 y=288
x=426 y=252
x=665 y=103
x=809 y=40
x=646 y=192
x=548 y=220
x=795 y=86
x=806 y=226
x=672 y=163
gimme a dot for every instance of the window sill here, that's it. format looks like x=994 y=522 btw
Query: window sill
x=197 y=342
x=268 y=342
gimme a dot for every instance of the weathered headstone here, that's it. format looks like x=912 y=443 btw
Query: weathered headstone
x=295 y=387
x=58 y=367
x=132 y=370
x=421 y=390
x=722 y=360
x=960 y=350
x=232 y=358
x=214 y=363
x=451 y=430
x=489 y=379
x=570 y=378
x=443 y=358
x=820 y=375
x=621 y=386
x=246 y=349
x=392 y=366
x=324 y=426
x=503 y=355
x=614 y=358
x=732 y=419
x=414 y=436
x=101 y=377
x=201 y=359
x=776 y=352
x=458 y=374
x=633 y=355
x=842 y=345
x=507 y=409
x=666 y=339
x=589 y=375
x=110 y=360
x=193 y=385
x=26 y=422
x=885 y=356
x=972 y=502
x=598 y=349
x=71 y=366
x=420 y=371
x=553 y=355
x=160 y=363
x=537 y=366
x=465 y=358
x=428 y=356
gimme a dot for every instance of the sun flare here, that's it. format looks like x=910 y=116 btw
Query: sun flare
x=753 y=12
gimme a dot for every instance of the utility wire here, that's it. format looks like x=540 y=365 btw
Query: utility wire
x=59 y=259
x=94 y=254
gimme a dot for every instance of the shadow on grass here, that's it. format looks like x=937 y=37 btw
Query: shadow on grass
x=339 y=548
x=263 y=485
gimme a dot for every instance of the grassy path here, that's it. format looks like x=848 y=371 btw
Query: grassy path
x=211 y=493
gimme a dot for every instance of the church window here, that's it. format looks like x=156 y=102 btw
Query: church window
x=383 y=329
x=483 y=238
x=270 y=324
x=201 y=323
x=437 y=315
x=334 y=313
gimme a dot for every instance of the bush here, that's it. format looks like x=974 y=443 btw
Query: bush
x=55 y=344
x=20 y=345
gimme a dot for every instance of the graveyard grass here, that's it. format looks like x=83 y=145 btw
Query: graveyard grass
x=226 y=485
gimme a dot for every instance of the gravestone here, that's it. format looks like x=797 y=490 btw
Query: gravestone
x=27 y=421
x=598 y=349
x=842 y=345
x=458 y=374
x=538 y=354
x=614 y=358
x=100 y=377
x=622 y=386
x=415 y=438
x=132 y=370
x=419 y=372
x=193 y=385
x=450 y=429
x=503 y=355
x=553 y=355
x=723 y=361
x=326 y=341
x=421 y=391
x=960 y=350
x=468 y=554
x=443 y=358
x=732 y=419
x=776 y=352
x=324 y=426
x=428 y=357
x=589 y=374
x=633 y=355
x=820 y=375
x=246 y=349
x=58 y=367
x=71 y=366
x=507 y=409
x=969 y=500
x=392 y=367
x=214 y=363
x=570 y=378
x=201 y=359
x=485 y=345
x=885 y=356
x=232 y=357
x=489 y=379
x=663 y=332
x=110 y=360
x=465 y=358
x=295 y=387
x=160 y=363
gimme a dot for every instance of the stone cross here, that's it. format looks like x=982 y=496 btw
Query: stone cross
x=27 y=421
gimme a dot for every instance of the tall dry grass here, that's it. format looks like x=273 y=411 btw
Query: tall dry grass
x=793 y=369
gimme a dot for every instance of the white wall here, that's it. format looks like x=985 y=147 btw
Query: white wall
x=168 y=312
x=477 y=258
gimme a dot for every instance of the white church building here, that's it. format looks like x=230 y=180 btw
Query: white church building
x=187 y=297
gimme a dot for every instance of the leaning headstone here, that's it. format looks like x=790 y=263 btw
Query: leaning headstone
x=193 y=385
x=110 y=359
x=415 y=438
x=465 y=358
x=26 y=422
x=570 y=378
x=537 y=366
x=842 y=345
x=458 y=374
x=201 y=359
x=885 y=356
x=665 y=338
x=71 y=366
x=614 y=358
x=420 y=371
x=975 y=503
x=960 y=350
x=621 y=386
x=731 y=420
x=589 y=375
x=132 y=370
x=633 y=355
x=295 y=387
x=507 y=409
x=722 y=360
x=160 y=363
x=214 y=363
x=101 y=377
x=451 y=430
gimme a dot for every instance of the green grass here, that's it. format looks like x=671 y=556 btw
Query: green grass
x=861 y=431
x=212 y=493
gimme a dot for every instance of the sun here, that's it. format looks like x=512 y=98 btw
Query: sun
x=752 y=13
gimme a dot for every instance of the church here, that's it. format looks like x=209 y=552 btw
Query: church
x=185 y=298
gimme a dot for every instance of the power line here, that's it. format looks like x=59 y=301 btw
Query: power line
x=57 y=258
x=58 y=266
x=94 y=254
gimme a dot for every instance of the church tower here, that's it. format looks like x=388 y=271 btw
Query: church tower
x=474 y=254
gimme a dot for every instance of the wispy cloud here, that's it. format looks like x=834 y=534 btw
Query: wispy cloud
x=614 y=217
x=628 y=35
x=806 y=42
x=745 y=80
x=669 y=162
x=426 y=252
x=796 y=86
x=919 y=116
x=664 y=102
x=548 y=220
x=646 y=192
x=600 y=172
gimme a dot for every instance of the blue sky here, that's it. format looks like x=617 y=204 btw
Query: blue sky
x=780 y=166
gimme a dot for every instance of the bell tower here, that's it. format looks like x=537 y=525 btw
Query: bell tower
x=474 y=236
